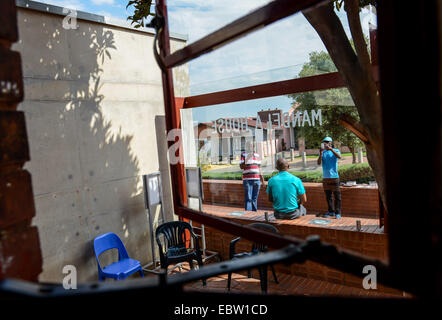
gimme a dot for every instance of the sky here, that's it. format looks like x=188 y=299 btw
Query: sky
x=274 y=53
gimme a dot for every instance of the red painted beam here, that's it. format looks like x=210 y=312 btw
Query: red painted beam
x=261 y=17
x=305 y=84
x=172 y=113
x=273 y=240
x=181 y=180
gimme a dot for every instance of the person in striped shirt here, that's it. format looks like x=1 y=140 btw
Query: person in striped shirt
x=252 y=177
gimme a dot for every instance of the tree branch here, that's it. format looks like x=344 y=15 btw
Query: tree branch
x=359 y=81
x=354 y=22
x=354 y=126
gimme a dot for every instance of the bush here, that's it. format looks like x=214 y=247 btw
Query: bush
x=223 y=175
x=308 y=176
x=359 y=172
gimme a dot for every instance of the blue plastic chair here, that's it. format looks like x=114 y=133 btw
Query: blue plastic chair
x=121 y=269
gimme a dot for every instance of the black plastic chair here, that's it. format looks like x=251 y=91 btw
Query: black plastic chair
x=256 y=249
x=172 y=247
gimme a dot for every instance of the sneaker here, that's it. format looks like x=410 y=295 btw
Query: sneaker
x=326 y=215
x=337 y=216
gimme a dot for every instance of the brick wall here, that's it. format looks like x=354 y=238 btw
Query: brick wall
x=373 y=245
x=356 y=201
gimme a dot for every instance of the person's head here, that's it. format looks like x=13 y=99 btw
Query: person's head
x=282 y=164
x=328 y=141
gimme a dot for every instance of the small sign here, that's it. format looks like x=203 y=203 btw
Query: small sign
x=194 y=183
x=152 y=189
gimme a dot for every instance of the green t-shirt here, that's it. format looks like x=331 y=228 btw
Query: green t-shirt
x=285 y=189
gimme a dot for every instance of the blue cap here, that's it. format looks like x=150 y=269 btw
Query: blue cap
x=327 y=139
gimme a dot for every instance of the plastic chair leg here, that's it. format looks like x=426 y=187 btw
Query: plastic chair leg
x=263 y=278
x=200 y=264
x=274 y=274
x=229 y=281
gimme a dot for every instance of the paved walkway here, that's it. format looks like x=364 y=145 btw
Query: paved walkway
x=296 y=165
x=288 y=285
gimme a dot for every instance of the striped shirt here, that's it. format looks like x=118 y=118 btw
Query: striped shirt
x=252 y=163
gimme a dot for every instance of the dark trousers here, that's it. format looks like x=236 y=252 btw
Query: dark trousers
x=333 y=201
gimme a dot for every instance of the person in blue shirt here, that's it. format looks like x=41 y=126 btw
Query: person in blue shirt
x=283 y=190
x=328 y=157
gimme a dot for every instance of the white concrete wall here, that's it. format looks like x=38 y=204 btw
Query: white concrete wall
x=95 y=121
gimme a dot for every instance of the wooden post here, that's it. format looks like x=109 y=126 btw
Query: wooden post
x=20 y=251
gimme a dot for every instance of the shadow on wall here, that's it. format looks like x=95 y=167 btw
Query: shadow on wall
x=85 y=175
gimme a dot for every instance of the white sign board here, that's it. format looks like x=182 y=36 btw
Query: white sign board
x=152 y=189
x=193 y=182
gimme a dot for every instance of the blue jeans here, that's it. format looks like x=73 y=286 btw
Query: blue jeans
x=251 y=191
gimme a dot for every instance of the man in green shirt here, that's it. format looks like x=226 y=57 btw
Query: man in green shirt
x=284 y=190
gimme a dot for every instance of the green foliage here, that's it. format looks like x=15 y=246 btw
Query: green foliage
x=141 y=11
x=308 y=176
x=333 y=103
x=360 y=172
x=223 y=175
x=362 y=3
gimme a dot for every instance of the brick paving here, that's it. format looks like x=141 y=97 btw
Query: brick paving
x=288 y=285
x=370 y=242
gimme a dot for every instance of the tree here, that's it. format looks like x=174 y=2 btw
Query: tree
x=333 y=103
x=142 y=10
x=355 y=68
x=353 y=65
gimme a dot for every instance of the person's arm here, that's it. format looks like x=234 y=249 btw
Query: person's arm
x=261 y=176
x=320 y=157
x=303 y=198
x=302 y=195
x=337 y=155
x=269 y=192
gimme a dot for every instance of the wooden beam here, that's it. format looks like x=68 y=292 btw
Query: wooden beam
x=305 y=84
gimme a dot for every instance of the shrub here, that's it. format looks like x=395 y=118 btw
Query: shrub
x=308 y=176
x=359 y=172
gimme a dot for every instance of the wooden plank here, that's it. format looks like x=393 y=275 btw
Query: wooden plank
x=16 y=198
x=21 y=255
x=261 y=17
x=11 y=80
x=305 y=84
x=14 y=147
x=8 y=18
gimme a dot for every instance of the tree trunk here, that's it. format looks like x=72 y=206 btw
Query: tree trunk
x=357 y=76
x=353 y=154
